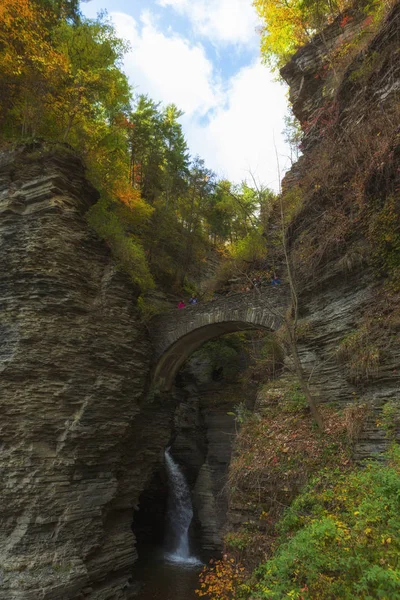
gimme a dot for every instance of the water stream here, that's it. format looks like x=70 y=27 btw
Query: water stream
x=163 y=580
x=179 y=515
x=171 y=573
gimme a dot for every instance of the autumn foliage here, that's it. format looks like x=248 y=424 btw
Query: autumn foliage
x=221 y=579
x=31 y=68
x=161 y=211
x=288 y=24
x=318 y=526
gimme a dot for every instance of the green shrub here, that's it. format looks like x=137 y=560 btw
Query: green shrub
x=339 y=539
x=148 y=309
x=293 y=399
x=238 y=540
x=242 y=413
x=126 y=248
x=360 y=353
x=390 y=420
x=250 y=248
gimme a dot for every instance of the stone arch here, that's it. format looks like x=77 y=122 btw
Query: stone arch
x=176 y=335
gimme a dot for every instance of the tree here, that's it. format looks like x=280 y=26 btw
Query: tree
x=159 y=153
x=31 y=68
x=60 y=79
x=147 y=147
x=288 y=24
x=291 y=318
x=193 y=208
x=62 y=9
x=176 y=157
x=95 y=89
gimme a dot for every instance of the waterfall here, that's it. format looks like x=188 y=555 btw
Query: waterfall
x=180 y=513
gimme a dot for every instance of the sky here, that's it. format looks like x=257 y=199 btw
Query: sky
x=203 y=56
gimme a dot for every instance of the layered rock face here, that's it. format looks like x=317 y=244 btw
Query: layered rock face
x=79 y=441
x=77 y=448
x=203 y=439
x=204 y=436
x=345 y=230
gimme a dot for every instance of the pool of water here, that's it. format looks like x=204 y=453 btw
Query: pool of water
x=162 y=579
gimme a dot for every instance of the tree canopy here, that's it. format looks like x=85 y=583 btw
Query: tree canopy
x=161 y=211
x=288 y=24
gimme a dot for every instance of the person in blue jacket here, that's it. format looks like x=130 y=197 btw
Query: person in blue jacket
x=275 y=280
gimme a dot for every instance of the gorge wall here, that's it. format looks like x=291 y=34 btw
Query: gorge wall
x=341 y=204
x=202 y=438
x=80 y=441
x=77 y=447
x=344 y=241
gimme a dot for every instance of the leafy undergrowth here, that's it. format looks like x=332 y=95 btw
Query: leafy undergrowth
x=222 y=580
x=339 y=539
x=278 y=451
x=318 y=526
x=279 y=447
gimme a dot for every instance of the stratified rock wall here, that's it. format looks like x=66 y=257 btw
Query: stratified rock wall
x=349 y=109
x=331 y=314
x=311 y=82
x=79 y=439
x=204 y=434
x=75 y=449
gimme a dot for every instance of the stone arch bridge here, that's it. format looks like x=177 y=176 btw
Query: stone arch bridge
x=175 y=335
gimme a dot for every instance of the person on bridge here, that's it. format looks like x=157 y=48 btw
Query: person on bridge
x=275 y=280
x=193 y=299
x=181 y=304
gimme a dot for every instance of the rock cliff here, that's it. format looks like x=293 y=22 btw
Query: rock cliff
x=80 y=441
x=344 y=238
x=76 y=446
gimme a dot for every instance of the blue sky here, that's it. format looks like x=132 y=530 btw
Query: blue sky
x=203 y=55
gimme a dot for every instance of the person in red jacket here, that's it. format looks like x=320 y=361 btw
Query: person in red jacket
x=181 y=304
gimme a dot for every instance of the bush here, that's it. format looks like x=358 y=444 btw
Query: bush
x=238 y=540
x=222 y=580
x=294 y=400
x=390 y=420
x=148 y=308
x=344 y=538
x=103 y=217
x=361 y=354
x=250 y=248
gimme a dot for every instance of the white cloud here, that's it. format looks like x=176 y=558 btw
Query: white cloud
x=180 y=5
x=168 y=68
x=231 y=126
x=220 y=21
x=241 y=136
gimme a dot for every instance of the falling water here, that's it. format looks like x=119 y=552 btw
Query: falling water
x=180 y=513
